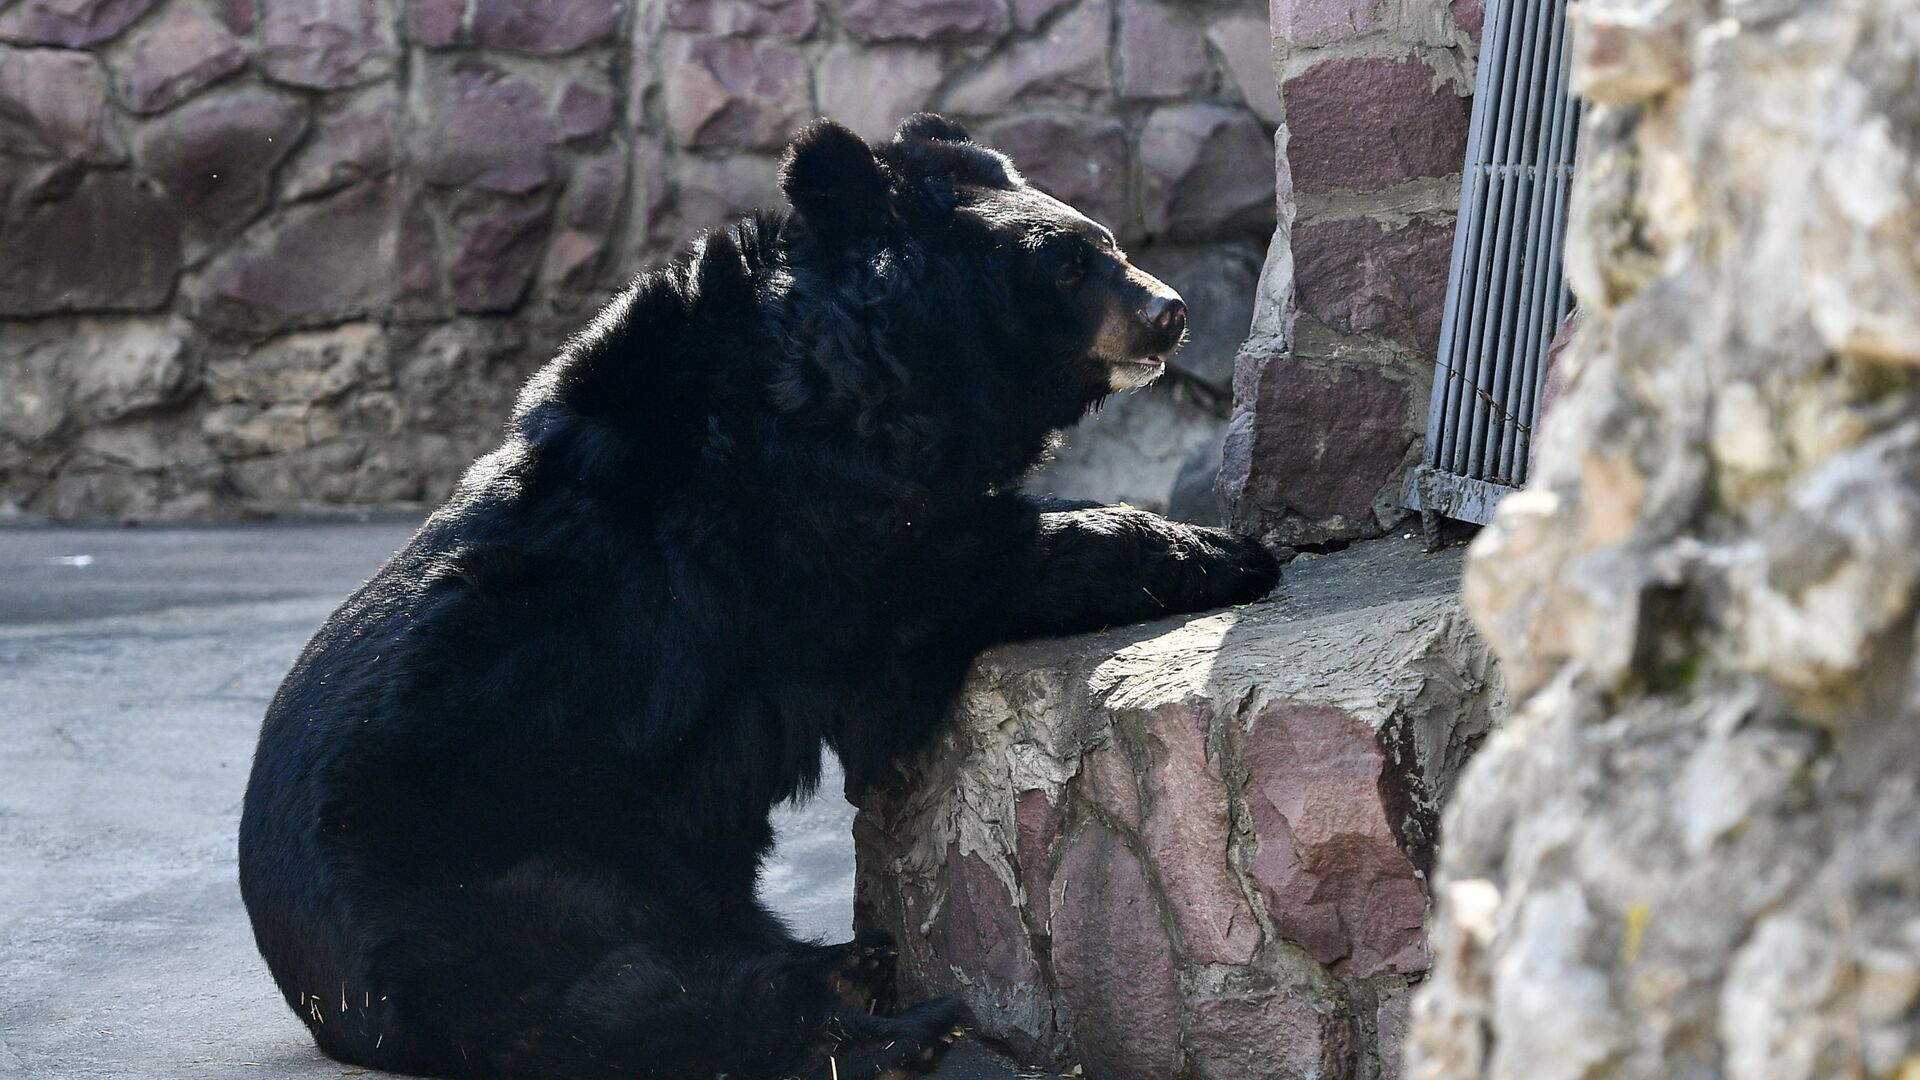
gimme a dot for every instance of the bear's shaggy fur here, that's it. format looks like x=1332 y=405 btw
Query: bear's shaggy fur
x=508 y=809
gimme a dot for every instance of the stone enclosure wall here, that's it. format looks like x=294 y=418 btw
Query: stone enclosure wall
x=260 y=255
x=1331 y=387
x=1194 y=849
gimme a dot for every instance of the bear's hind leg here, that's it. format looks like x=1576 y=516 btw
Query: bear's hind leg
x=750 y=1017
x=908 y=1044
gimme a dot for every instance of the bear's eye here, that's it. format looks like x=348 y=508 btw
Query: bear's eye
x=1071 y=271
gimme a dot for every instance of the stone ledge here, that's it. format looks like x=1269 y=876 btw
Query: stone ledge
x=1194 y=848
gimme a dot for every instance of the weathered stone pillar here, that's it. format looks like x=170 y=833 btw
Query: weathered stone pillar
x=1193 y=849
x=1330 y=388
x=1695 y=849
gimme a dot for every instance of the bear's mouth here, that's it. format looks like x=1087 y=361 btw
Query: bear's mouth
x=1135 y=372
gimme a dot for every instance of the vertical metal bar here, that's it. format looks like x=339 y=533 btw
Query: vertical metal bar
x=1547 y=290
x=1466 y=230
x=1526 y=342
x=1467 y=363
x=1534 y=267
x=1505 y=332
x=1465 y=371
x=1566 y=149
x=1521 y=254
x=1487 y=318
x=1465 y=223
x=1465 y=343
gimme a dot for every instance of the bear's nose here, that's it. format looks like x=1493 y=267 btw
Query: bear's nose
x=1168 y=314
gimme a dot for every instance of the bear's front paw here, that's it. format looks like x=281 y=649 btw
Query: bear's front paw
x=1252 y=571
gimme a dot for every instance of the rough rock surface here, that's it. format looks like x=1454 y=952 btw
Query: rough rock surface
x=1367 y=125
x=215 y=155
x=178 y=54
x=71 y=270
x=1324 y=444
x=1192 y=848
x=1692 y=852
x=326 y=44
x=254 y=167
x=487 y=128
x=72 y=23
x=54 y=105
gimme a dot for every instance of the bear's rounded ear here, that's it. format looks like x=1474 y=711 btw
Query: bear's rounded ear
x=928 y=125
x=834 y=182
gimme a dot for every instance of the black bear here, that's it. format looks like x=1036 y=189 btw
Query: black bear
x=508 y=809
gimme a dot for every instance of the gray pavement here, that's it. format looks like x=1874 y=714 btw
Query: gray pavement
x=134 y=667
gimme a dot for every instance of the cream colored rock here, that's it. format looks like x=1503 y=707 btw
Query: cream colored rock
x=300 y=367
x=1690 y=853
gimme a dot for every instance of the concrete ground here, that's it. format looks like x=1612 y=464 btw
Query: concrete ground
x=135 y=665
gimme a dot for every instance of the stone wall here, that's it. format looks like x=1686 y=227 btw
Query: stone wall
x=1695 y=849
x=1194 y=849
x=262 y=255
x=1331 y=388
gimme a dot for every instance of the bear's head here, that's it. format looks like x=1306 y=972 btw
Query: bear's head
x=1057 y=315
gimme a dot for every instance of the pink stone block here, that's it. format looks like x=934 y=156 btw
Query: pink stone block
x=1113 y=962
x=734 y=92
x=54 y=104
x=594 y=194
x=871 y=88
x=1361 y=276
x=72 y=23
x=712 y=190
x=106 y=242
x=1327 y=862
x=1469 y=16
x=497 y=256
x=1187 y=837
x=312 y=263
x=1036 y=833
x=572 y=256
x=174 y=56
x=543 y=26
x=752 y=18
x=1244 y=45
x=347 y=146
x=1078 y=159
x=1206 y=171
x=487 y=129
x=437 y=23
x=978 y=928
x=586 y=111
x=239 y=15
x=325 y=44
x=1368 y=125
x=216 y=155
x=948 y=21
x=1066 y=64
x=1162 y=52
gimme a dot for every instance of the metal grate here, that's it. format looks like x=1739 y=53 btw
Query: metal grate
x=1505 y=294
